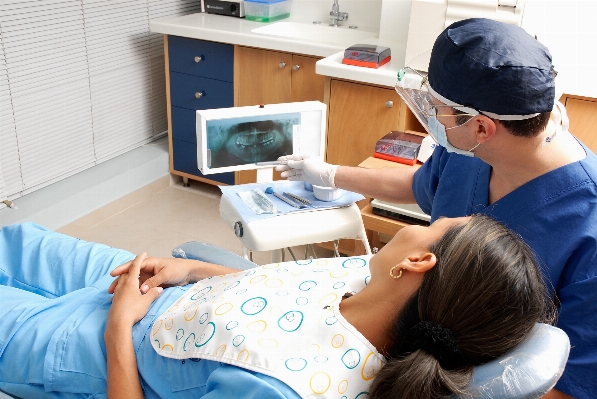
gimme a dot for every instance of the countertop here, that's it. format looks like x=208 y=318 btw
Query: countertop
x=231 y=30
x=572 y=78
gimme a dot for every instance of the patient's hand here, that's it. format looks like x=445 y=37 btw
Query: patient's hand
x=162 y=272
x=128 y=304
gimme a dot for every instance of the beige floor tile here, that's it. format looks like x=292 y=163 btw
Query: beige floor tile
x=156 y=222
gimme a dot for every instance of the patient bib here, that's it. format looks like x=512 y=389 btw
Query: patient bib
x=282 y=320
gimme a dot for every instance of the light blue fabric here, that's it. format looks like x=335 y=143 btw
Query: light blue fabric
x=209 y=253
x=556 y=214
x=53 y=309
x=280 y=186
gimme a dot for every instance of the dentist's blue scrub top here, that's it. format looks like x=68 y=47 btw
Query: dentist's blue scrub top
x=53 y=310
x=556 y=214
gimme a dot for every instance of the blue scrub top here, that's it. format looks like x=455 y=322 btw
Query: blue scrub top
x=556 y=214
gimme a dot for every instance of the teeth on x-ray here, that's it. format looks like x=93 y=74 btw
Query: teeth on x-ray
x=254 y=138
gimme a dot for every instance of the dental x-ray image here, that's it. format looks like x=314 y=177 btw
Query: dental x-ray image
x=247 y=140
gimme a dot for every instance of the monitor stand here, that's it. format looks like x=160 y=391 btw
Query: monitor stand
x=265 y=175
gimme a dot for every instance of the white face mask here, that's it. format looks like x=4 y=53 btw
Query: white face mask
x=438 y=132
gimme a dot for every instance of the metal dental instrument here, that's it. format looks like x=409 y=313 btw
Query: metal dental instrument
x=297 y=198
x=289 y=201
x=271 y=163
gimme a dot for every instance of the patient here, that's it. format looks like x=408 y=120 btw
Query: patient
x=434 y=302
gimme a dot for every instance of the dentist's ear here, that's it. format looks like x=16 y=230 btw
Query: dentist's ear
x=419 y=263
x=486 y=128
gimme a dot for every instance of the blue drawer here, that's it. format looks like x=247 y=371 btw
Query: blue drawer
x=217 y=59
x=185 y=160
x=214 y=93
x=183 y=125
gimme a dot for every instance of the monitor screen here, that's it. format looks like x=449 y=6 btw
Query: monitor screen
x=240 y=138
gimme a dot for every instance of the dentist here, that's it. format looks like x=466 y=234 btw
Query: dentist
x=504 y=151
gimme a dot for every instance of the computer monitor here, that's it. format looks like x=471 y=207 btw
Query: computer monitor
x=244 y=138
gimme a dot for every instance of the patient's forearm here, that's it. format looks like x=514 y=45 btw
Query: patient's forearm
x=201 y=270
x=123 y=377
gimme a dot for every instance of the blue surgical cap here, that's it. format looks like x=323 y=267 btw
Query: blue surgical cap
x=492 y=67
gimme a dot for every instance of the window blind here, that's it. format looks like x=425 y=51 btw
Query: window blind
x=81 y=81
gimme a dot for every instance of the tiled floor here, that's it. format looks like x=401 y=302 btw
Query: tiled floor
x=158 y=217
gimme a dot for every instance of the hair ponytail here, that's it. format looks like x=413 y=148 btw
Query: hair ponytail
x=418 y=375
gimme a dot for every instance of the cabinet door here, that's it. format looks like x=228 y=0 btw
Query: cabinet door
x=359 y=115
x=306 y=84
x=263 y=76
x=583 y=119
x=201 y=58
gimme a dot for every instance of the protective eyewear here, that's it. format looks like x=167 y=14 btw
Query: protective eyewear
x=415 y=91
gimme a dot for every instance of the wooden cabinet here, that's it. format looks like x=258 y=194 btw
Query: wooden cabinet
x=358 y=116
x=199 y=75
x=273 y=77
x=582 y=112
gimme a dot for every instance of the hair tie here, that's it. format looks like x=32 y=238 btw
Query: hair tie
x=439 y=341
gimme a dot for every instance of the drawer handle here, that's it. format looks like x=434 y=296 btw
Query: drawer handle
x=296 y=68
x=198 y=58
x=389 y=104
x=198 y=94
x=282 y=65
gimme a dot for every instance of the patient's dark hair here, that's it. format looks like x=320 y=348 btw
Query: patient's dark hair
x=484 y=295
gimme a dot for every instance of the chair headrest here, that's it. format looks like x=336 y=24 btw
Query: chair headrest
x=528 y=371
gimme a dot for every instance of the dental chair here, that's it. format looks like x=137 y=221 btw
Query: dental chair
x=527 y=372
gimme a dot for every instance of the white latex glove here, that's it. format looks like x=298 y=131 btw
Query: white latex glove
x=310 y=169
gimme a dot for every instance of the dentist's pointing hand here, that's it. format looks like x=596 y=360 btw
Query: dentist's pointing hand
x=310 y=169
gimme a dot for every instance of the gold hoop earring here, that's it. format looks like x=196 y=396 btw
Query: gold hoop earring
x=392 y=272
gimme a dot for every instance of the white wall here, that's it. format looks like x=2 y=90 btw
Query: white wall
x=568 y=29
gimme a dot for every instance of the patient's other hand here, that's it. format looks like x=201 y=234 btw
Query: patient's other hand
x=128 y=304
x=168 y=272
x=156 y=272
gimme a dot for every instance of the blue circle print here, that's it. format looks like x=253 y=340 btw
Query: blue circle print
x=291 y=321
x=200 y=293
x=307 y=285
x=179 y=334
x=208 y=333
x=367 y=279
x=354 y=263
x=330 y=321
x=239 y=339
x=190 y=337
x=320 y=359
x=231 y=325
x=236 y=283
x=203 y=318
x=241 y=291
x=304 y=262
x=301 y=301
x=339 y=285
x=253 y=306
x=351 y=358
x=295 y=364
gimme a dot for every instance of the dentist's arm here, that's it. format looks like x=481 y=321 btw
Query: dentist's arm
x=392 y=185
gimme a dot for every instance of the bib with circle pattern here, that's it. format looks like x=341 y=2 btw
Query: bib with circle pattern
x=281 y=320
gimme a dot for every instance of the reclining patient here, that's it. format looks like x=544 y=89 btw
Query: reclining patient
x=409 y=322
